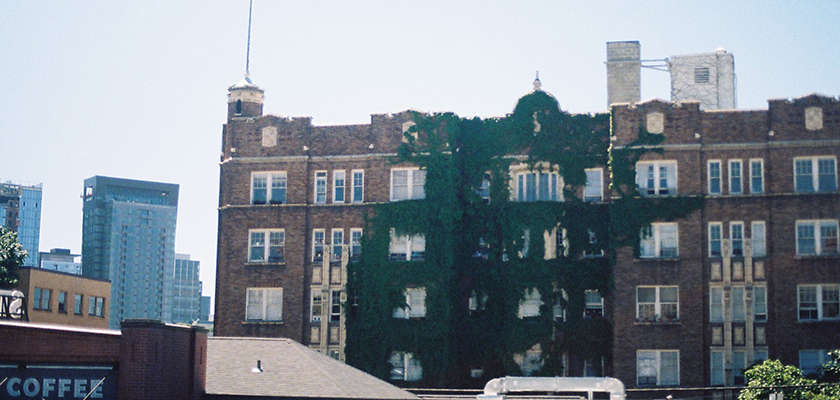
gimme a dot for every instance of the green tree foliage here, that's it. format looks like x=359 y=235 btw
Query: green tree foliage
x=772 y=376
x=12 y=255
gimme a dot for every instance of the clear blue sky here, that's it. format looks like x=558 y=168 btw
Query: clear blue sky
x=138 y=89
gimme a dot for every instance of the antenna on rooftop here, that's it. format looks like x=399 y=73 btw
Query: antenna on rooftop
x=248 y=51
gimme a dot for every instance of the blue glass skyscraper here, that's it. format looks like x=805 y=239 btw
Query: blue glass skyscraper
x=20 y=211
x=128 y=237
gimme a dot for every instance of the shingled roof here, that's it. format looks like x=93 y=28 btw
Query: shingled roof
x=289 y=370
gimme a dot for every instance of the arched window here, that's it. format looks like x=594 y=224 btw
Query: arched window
x=238 y=106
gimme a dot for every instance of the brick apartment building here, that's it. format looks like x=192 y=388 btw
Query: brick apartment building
x=66 y=299
x=750 y=271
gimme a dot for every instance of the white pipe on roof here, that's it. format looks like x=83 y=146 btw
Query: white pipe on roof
x=497 y=388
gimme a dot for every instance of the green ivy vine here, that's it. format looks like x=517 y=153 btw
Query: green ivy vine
x=457 y=155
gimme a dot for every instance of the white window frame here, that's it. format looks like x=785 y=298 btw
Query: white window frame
x=335 y=305
x=658 y=304
x=316 y=243
x=591 y=192
x=819 y=301
x=756 y=177
x=657 y=366
x=759 y=303
x=405 y=367
x=274 y=180
x=257 y=309
x=521 y=184
x=738 y=303
x=715 y=239
x=656 y=240
x=339 y=186
x=591 y=308
x=267 y=242
x=736 y=238
x=822 y=245
x=716 y=304
x=316 y=308
x=358 y=186
x=336 y=244
x=414 y=191
x=714 y=178
x=530 y=303
x=415 y=304
x=320 y=188
x=814 y=173
x=736 y=177
x=758 y=240
x=671 y=179
x=414 y=247
x=356 y=235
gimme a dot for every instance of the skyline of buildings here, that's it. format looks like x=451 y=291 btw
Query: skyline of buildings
x=20 y=211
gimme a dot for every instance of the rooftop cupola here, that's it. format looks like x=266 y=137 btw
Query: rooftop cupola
x=245 y=99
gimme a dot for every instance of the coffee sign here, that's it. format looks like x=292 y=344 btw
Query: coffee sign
x=57 y=382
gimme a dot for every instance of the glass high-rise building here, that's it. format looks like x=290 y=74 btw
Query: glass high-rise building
x=186 y=303
x=20 y=211
x=128 y=237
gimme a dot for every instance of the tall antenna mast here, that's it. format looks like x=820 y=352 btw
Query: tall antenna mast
x=248 y=51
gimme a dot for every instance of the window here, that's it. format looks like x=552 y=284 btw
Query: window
x=96 y=306
x=407 y=248
x=415 y=304
x=593 y=367
x=657 y=303
x=736 y=238
x=320 y=187
x=338 y=186
x=738 y=302
x=658 y=178
x=594 y=189
x=318 y=245
x=529 y=305
x=271 y=250
x=715 y=236
x=714 y=177
x=355 y=244
x=484 y=188
x=760 y=303
x=717 y=376
x=539 y=186
x=810 y=361
x=659 y=241
x=592 y=248
x=262 y=181
x=77 y=304
x=264 y=304
x=716 y=304
x=819 y=302
x=594 y=306
x=806 y=181
x=735 y=184
x=407 y=184
x=316 y=309
x=62 y=302
x=335 y=305
x=658 y=367
x=756 y=176
x=337 y=244
x=358 y=186
x=41 y=299
x=816 y=237
x=739 y=364
x=531 y=361
x=701 y=75
x=759 y=239
x=405 y=367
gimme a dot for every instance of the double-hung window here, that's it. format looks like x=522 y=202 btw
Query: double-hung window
x=62 y=301
x=658 y=367
x=656 y=178
x=318 y=236
x=759 y=239
x=337 y=244
x=335 y=305
x=96 y=306
x=594 y=304
x=41 y=299
x=529 y=305
x=816 y=237
x=264 y=304
x=316 y=309
x=756 y=176
x=408 y=184
x=594 y=189
x=735 y=175
x=268 y=187
x=819 y=302
x=339 y=184
x=407 y=248
x=810 y=361
x=759 y=296
x=815 y=174
x=659 y=241
x=736 y=238
x=539 y=186
x=358 y=186
x=355 y=244
x=415 y=304
x=716 y=304
x=714 y=177
x=77 y=304
x=267 y=245
x=657 y=303
x=738 y=302
x=405 y=367
x=320 y=187
x=715 y=239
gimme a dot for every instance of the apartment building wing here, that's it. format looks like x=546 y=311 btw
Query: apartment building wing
x=751 y=275
x=62 y=298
